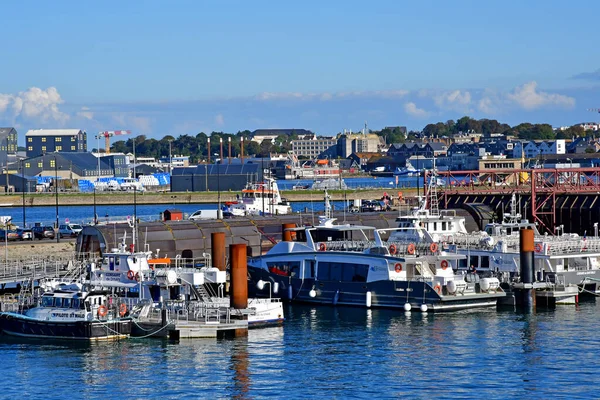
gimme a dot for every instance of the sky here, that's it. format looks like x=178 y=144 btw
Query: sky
x=173 y=68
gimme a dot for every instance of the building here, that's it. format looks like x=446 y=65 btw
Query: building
x=118 y=163
x=214 y=177
x=8 y=145
x=67 y=166
x=42 y=141
x=312 y=146
x=349 y=143
x=535 y=148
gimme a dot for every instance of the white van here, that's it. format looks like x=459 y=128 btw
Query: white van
x=204 y=214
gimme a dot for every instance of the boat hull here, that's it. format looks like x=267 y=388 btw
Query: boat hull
x=383 y=294
x=19 y=325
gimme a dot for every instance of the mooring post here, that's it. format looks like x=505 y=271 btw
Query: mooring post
x=527 y=267
x=217 y=247
x=239 y=276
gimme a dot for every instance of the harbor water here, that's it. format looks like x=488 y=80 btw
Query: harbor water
x=330 y=352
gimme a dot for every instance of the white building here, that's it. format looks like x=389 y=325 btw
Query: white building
x=534 y=148
x=311 y=145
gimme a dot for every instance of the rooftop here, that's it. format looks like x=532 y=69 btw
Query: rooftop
x=53 y=132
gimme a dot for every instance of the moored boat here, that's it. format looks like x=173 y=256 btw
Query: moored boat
x=71 y=314
x=341 y=264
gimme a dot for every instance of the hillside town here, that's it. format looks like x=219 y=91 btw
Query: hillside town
x=191 y=164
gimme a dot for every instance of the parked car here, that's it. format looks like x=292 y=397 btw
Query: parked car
x=42 y=232
x=371 y=205
x=25 y=233
x=12 y=235
x=69 y=230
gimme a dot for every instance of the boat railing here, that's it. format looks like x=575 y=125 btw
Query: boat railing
x=38 y=268
x=346 y=245
x=182 y=311
x=562 y=245
x=404 y=248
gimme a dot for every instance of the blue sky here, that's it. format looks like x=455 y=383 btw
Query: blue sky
x=184 y=67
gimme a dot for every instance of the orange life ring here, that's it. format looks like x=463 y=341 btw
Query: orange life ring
x=433 y=247
x=122 y=309
x=393 y=249
x=411 y=248
x=398 y=267
x=438 y=289
x=102 y=311
x=322 y=247
x=444 y=264
x=538 y=247
x=130 y=275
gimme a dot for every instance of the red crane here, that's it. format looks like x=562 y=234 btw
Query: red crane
x=107 y=135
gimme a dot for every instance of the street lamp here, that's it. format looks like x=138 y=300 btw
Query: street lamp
x=23 y=190
x=229 y=150
x=170 y=158
x=56 y=196
x=208 y=146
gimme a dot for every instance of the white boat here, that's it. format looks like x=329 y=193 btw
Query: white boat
x=407 y=170
x=156 y=283
x=261 y=198
x=329 y=184
x=565 y=259
x=71 y=313
x=428 y=219
x=342 y=264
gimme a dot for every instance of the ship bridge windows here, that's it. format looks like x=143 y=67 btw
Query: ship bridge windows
x=342 y=272
x=47 y=301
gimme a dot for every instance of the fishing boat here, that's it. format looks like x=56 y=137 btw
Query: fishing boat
x=261 y=198
x=71 y=313
x=351 y=265
x=407 y=170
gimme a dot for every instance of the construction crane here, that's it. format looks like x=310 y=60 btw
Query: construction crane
x=596 y=110
x=107 y=135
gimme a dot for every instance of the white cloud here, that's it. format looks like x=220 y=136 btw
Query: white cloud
x=34 y=105
x=139 y=125
x=85 y=113
x=325 y=96
x=528 y=97
x=453 y=100
x=411 y=109
x=219 y=120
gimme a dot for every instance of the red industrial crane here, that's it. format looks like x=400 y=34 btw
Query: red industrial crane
x=107 y=135
x=596 y=110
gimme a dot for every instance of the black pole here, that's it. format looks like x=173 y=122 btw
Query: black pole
x=262 y=174
x=56 y=196
x=219 y=187
x=418 y=174
x=95 y=214
x=24 y=187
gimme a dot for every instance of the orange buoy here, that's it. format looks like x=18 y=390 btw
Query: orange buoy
x=102 y=311
x=433 y=247
x=322 y=247
x=398 y=268
x=393 y=249
x=411 y=248
x=444 y=264
x=122 y=309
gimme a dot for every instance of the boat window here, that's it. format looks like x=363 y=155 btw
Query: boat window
x=309 y=269
x=473 y=261
x=118 y=261
x=485 y=262
x=462 y=263
x=443 y=226
x=435 y=226
x=329 y=271
x=285 y=268
x=87 y=306
x=488 y=230
x=76 y=303
x=58 y=302
x=66 y=303
x=47 y=301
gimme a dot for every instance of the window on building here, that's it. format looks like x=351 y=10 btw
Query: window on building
x=43 y=148
x=43 y=140
x=59 y=139
x=58 y=148
x=52 y=163
x=27 y=165
x=72 y=138
x=73 y=148
x=29 y=140
x=40 y=164
x=29 y=148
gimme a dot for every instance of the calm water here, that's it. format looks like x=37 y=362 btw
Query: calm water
x=329 y=352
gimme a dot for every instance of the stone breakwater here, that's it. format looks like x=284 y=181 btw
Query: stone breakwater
x=118 y=198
